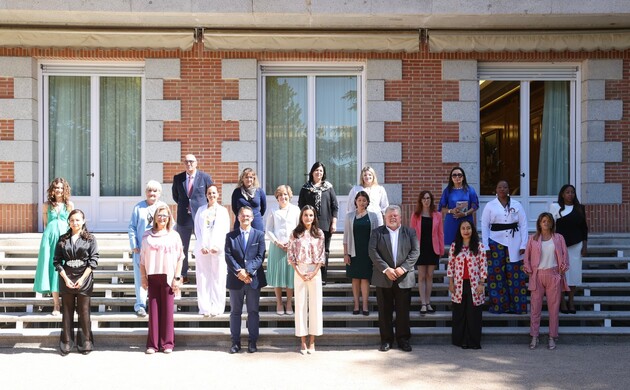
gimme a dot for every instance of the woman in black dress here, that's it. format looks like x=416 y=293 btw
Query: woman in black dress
x=356 y=238
x=76 y=256
x=320 y=194
x=427 y=222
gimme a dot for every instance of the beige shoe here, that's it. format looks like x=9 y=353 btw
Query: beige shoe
x=534 y=343
x=552 y=343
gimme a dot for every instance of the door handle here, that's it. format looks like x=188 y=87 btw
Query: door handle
x=90 y=174
x=522 y=174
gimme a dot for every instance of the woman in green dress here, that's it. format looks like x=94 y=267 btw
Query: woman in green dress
x=55 y=216
x=356 y=237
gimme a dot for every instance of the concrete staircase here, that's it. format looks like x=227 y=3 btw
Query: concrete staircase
x=25 y=316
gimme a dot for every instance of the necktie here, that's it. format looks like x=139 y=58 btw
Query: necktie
x=244 y=240
x=191 y=179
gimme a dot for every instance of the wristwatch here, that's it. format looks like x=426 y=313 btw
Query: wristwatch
x=178 y=278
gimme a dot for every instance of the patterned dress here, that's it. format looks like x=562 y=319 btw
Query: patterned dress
x=46 y=277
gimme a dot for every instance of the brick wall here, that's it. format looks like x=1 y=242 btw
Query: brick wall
x=6 y=87
x=18 y=218
x=421 y=132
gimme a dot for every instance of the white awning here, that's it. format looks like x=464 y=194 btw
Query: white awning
x=107 y=39
x=313 y=41
x=483 y=41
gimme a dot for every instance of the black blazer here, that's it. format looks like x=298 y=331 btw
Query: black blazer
x=329 y=206
x=197 y=198
x=251 y=260
x=74 y=258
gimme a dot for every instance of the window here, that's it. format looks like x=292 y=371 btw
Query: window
x=99 y=114
x=311 y=115
x=527 y=124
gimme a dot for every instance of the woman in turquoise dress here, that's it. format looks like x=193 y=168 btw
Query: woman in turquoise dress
x=55 y=216
x=356 y=237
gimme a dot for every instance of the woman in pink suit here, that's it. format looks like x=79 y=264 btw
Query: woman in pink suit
x=427 y=222
x=546 y=261
x=161 y=258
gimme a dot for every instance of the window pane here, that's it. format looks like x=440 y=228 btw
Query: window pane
x=499 y=116
x=336 y=130
x=120 y=130
x=69 y=131
x=286 y=134
x=549 y=136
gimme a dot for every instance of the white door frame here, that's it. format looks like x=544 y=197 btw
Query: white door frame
x=110 y=214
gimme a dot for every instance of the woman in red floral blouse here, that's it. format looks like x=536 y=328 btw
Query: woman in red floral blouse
x=467 y=272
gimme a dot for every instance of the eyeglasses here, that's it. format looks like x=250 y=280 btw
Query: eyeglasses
x=189 y=161
x=426 y=198
x=457 y=175
x=163 y=216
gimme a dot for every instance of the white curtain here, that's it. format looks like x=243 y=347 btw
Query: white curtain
x=69 y=131
x=553 y=167
x=336 y=130
x=286 y=118
x=119 y=138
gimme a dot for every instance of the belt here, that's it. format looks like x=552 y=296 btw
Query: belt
x=498 y=227
x=74 y=263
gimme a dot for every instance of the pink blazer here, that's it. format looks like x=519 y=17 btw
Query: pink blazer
x=437 y=233
x=532 y=259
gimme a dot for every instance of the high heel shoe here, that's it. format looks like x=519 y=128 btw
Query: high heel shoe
x=423 y=310
x=552 y=343
x=534 y=343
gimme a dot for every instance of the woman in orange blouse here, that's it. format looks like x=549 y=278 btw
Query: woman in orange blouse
x=467 y=272
x=306 y=255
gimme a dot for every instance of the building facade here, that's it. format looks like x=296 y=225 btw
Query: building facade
x=112 y=96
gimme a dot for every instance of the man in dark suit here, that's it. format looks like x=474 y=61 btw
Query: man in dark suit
x=189 y=192
x=244 y=255
x=394 y=250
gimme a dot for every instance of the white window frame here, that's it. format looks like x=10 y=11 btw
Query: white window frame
x=95 y=70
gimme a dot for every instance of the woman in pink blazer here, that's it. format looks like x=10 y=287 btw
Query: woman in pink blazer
x=546 y=261
x=427 y=222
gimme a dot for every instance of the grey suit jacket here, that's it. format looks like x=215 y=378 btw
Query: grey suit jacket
x=381 y=254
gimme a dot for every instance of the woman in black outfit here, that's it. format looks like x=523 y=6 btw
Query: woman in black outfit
x=76 y=256
x=320 y=194
x=570 y=217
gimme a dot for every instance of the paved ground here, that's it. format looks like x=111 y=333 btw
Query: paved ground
x=497 y=366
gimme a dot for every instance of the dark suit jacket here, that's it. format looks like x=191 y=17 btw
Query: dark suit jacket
x=380 y=249
x=197 y=198
x=251 y=260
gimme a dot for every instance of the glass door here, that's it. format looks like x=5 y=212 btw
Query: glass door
x=93 y=127
x=527 y=129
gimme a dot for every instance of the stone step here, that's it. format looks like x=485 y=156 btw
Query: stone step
x=333 y=337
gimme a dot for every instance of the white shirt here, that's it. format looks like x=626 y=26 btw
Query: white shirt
x=393 y=236
x=547 y=255
x=282 y=222
x=494 y=212
x=378 y=200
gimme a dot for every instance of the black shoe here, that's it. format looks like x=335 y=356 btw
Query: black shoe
x=404 y=345
x=565 y=311
x=235 y=348
x=355 y=312
x=366 y=313
x=385 y=347
x=251 y=347
x=64 y=349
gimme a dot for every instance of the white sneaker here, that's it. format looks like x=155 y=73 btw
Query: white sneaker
x=141 y=312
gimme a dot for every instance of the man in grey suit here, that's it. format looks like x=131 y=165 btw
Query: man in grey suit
x=394 y=250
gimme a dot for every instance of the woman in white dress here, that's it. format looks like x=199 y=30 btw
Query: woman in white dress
x=280 y=224
x=377 y=193
x=212 y=223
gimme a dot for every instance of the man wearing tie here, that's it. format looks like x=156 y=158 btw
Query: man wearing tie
x=189 y=192
x=394 y=250
x=244 y=255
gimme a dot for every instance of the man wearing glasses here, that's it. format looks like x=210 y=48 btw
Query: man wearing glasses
x=189 y=192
